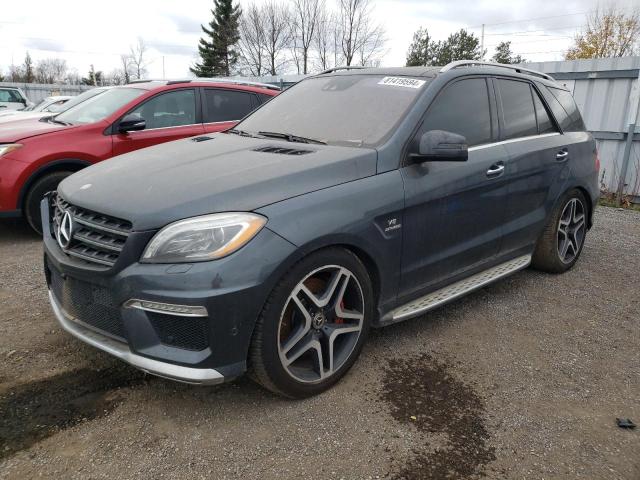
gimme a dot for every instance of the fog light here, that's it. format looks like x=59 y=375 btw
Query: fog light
x=168 y=308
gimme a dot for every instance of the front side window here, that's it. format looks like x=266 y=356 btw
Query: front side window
x=462 y=108
x=11 y=96
x=172 y=109
x=226 y=105
x=100 y=106
x=351 y=110
x=518 y=110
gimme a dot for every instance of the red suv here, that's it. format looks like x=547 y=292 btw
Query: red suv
x=35 y=155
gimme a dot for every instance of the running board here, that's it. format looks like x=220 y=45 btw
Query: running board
x=457 y=289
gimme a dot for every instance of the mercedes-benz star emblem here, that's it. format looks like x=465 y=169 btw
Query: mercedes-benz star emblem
x=65 y=230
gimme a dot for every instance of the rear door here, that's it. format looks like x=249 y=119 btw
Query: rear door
x=11 y=99
x=454 y=210
x=169 y=116
x=538 y=162
x=223 y=108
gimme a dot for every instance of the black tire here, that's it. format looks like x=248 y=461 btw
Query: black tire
x=265 y=365
x=40 y=187
x=547 y=255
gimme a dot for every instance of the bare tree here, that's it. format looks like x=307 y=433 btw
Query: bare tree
x=51 y=70
x=138 y=59
x=126 y=68
x=253 y=55
x=324 y=39
x=608 y=33
x=361 y=39
x=277 y=34
x=306 y=15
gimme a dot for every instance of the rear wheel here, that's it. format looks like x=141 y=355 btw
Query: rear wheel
x=40 y=187
x=563 y=238
x=314 y=324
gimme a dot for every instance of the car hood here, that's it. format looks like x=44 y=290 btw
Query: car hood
x=190 y=177
x=16 y=129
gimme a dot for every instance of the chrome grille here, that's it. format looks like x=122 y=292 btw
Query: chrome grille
x=95 y=238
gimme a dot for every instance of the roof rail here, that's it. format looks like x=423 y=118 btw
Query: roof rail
x=337 y=69
x=211 y=80
x=237 y=81
x=471 y=63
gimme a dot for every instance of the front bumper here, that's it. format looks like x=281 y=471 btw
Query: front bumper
x=93 y=304
x=201 y=376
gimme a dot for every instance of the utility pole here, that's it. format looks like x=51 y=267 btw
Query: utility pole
x=163 y=77
x=482 y=43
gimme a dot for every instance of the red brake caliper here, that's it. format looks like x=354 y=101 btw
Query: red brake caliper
x=338 y=319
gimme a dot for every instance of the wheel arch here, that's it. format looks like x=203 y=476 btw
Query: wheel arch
x=67 y=164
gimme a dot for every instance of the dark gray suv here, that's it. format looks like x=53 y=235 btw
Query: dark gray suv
x=355 y=199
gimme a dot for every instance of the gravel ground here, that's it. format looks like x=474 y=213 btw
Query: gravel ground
x=522 y=379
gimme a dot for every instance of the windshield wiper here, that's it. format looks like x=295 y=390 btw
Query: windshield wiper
x=292 y=138
x=242 y=133
x=59 y=122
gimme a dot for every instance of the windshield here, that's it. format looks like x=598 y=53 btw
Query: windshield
x=72 y=102
x=100 y=106
x=352 y=110
x=37 y=107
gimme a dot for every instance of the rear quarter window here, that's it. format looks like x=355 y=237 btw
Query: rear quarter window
x=564 y=108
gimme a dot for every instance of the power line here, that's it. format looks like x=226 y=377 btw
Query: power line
x=533 y=19
x=534 y=31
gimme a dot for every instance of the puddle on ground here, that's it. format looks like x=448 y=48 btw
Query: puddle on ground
x=444 y=408
x=33 y=411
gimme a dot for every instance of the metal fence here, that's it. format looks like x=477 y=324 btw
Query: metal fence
x=37 y=91
x=607 y=91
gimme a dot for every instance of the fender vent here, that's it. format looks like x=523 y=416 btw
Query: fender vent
x=283 y=151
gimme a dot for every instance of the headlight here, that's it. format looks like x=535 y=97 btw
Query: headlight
x=9 y=148
x=203 y=238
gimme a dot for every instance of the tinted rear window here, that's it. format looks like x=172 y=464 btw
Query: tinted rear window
x=226 y=105
x=545 y=124
x=462 y=108
x=519 y=114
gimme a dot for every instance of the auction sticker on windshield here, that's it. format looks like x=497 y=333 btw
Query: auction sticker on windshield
x=402 y=82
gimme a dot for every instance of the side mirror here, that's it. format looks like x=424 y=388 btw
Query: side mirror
x=131 y=123
x=441 y=146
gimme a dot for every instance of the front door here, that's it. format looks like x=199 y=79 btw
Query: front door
x=168 y=116
x=454 y=210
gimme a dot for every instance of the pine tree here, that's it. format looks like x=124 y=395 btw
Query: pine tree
x=421 y=49
x=505 y=55
x=218 y=54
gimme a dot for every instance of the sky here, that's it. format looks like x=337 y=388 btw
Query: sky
x=85 y=32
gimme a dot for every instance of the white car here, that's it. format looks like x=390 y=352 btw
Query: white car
x=52 y=109
x=12 y=98
x=47 y=105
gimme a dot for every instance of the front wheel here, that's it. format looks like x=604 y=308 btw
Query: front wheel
x=561 y=242
x=314 y=324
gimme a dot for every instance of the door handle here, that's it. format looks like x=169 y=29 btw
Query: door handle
x=562 y=155
x=495 y=170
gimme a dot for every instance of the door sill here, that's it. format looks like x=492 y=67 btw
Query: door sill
x=456 y=290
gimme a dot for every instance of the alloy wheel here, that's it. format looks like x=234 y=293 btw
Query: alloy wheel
x=571 y=230
x=320 y=324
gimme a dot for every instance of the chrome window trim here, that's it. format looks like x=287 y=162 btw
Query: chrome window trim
x=512 y=140
x=160 y=128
